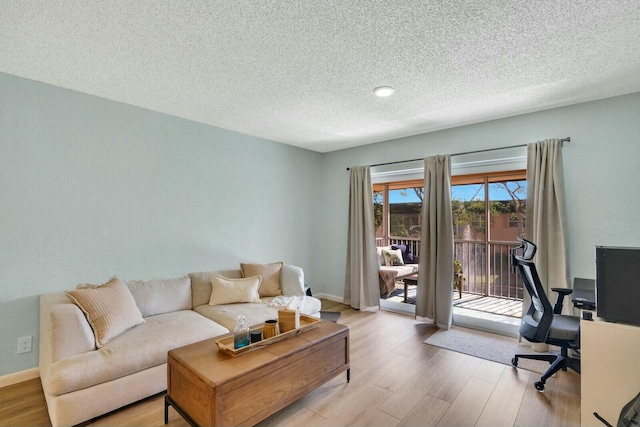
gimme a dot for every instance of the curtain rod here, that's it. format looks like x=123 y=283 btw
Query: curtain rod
x=567 y=139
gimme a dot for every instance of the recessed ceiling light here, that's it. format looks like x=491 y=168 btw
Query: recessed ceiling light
x=384 y=91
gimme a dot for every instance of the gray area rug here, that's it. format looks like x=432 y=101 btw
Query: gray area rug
x=332 y=316
x=485 y=345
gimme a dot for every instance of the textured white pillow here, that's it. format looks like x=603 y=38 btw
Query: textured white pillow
x=230 y=291
x=393 y=257
x=109 y=308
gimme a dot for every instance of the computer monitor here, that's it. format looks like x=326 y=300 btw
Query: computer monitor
x=618 y=284
x=584 y=293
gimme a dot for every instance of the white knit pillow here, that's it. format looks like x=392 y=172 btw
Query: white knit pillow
x=109 y=308
x=230 y=291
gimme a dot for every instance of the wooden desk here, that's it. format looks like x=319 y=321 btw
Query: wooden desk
x=210 y=388
x=610 y=376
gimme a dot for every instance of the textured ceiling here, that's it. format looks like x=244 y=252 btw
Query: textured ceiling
x=302 y=72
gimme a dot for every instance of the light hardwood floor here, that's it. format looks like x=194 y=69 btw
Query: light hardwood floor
x=396 y=380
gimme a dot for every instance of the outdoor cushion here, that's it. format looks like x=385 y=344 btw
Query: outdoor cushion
x=407 y=255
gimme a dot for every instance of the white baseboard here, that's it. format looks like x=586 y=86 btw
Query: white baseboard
x=330 y=297
x=18 y=377
x=398 y=307
x=501 y=325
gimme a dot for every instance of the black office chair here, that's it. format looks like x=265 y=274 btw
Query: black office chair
x=542 y=323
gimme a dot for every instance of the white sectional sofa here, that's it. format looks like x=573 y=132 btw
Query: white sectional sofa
x=82 y=380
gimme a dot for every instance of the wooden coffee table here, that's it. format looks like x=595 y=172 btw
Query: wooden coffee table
x=211 y=388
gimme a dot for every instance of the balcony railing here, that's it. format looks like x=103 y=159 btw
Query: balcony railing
x=487 y=272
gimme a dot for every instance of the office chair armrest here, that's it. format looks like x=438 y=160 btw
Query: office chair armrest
x=562 y=292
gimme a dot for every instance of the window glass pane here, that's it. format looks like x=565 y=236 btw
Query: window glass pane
x=405 y=206
x=378 y=203
x=507 y=203
x=507 y=220
x=468 y=208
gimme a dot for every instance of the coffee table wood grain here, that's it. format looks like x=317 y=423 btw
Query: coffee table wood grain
x=211 y=388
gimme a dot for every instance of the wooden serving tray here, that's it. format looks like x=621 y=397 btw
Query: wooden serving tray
x=226 y=344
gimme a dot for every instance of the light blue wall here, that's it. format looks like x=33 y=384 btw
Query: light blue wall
x=91 y=188
x=601 y=164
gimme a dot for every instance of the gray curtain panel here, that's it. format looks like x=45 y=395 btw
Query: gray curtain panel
x=546 y=214
x=361 y=289
x=434 y=296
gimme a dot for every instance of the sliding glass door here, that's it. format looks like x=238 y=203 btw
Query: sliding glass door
x=488 y=217
x=398 y=210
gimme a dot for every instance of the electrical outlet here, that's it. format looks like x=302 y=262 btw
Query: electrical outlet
x=24 y=344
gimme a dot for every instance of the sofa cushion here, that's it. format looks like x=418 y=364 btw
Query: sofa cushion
x=139 y=348
x=227 y=314
x=270 y=274
x=109 y=308
x=255 y=314
x=231 y=291
x=401 y=270
x=159 y=296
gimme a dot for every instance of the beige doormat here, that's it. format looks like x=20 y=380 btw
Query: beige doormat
x=486 y=345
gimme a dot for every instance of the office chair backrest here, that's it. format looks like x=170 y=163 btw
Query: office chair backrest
x=536 y=322
x=529 y=249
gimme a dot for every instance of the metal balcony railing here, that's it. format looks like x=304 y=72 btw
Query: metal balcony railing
x=486 y=267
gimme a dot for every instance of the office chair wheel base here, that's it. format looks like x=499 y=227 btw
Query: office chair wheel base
x=514 y=362
x=539 y=385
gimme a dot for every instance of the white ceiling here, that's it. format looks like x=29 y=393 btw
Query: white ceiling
x=302 y=72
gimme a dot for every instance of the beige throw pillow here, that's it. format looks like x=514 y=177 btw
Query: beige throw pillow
x=230 y=291
x=109 y=308
x=270 y=274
